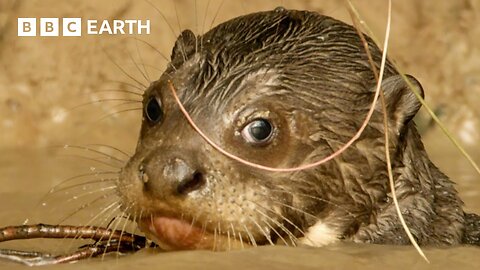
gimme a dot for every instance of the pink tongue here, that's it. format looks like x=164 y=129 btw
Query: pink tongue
x=175 y=233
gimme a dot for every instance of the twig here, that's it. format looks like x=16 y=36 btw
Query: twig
x=385 y=123
x=119 y=242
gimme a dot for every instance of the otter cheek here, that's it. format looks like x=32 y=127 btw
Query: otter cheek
x=172 y=233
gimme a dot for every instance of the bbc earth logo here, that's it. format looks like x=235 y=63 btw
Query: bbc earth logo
x=72 y=27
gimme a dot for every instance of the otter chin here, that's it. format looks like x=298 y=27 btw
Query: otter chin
x=284 y=88
x=176 y=234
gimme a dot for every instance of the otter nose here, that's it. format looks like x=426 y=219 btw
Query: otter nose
x=185 y=178
x=178 y=178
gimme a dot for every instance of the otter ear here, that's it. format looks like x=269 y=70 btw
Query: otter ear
x=401 y=102
x=184 y=48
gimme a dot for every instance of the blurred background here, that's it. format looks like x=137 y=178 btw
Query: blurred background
x=50 y=87
x=43 y=78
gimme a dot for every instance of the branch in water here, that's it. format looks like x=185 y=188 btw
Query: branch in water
x=118 y=241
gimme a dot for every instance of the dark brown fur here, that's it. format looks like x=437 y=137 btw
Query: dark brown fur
x=309 y=75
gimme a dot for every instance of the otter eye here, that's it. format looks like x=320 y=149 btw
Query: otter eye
x=153 y=110
x=258 y=131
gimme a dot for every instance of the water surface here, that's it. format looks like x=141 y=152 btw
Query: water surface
x=26 y=176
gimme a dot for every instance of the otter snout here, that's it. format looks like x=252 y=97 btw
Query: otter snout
x=173 y=176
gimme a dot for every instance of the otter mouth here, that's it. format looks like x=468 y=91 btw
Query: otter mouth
x=175 y=234
x=172 y=233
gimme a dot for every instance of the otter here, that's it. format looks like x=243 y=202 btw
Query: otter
x=284 y=88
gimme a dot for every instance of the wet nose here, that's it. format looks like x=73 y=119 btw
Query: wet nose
x=184 y=177
x=178 y=177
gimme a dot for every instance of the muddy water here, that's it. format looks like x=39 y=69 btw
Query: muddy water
x=26 y=175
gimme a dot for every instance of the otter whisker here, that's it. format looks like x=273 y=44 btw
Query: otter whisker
x=96 y=151
x=292 y=223
x=98 y=215
x=214 y=239
x=319 y=199
x=250 y=236
x=127 y=155
x=204 y=228
x=164 y=18
x=182 y=216
x=144 y=75
x=195 y=218
x=216 y=13
x=294 y=208
x=271 y=226
x=134 y=221
x=86 y=205
x=84 y=194
x=76 y=196
x=92 y=159
x=113 y=215
x=195 y=14
x=80 y=176
x=104 y=100
x=119 y=91
x=123 y=104
x=98 y=242
x=109 y=240
x=111 y=147
x=103 y=216
x=292 y=237
x=190 y=229
x=139 y=217
x=102 y=211
x=233 y=231
x=149 y=65
x=122 y=83
x=87 y=183
x=182 y=47
x=239 y=235
x=229 y=241
x=118 y=112
x=123 y=231
x=109 y=224
x=122 y=69
x=203 y=24
x=267 y=235
x=169 y=25
x=142 y=214
x=151 y=219
x=161 y=54
x=219 y=231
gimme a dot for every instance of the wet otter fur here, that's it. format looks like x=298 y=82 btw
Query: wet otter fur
x=306 y=77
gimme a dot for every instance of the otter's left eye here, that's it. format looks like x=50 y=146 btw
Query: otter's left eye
x=258 y=131
x=153 y=110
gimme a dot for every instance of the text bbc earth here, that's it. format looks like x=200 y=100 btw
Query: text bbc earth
x=72 y=27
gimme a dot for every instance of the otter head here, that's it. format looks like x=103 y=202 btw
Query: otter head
x=281 y=89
